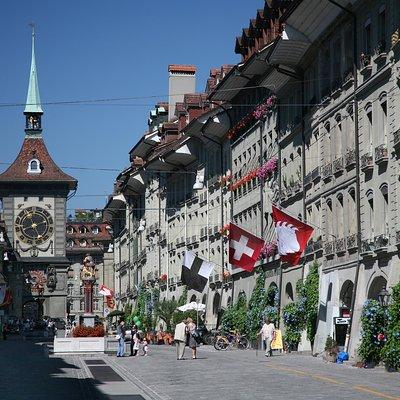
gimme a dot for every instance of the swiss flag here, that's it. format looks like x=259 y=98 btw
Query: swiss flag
x=292 y=236
x=244 y=248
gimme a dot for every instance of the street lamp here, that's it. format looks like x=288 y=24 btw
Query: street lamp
x=383 y=297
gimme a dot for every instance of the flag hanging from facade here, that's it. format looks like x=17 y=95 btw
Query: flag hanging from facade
x=292 y=236
x=244 y=248
x=105 y=291
x=195 y=271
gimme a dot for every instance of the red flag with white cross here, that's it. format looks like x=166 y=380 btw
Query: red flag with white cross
x=244 y=248
x=292 y=236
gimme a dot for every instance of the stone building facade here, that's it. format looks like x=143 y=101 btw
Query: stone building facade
x=333 y=129
x=87 y=234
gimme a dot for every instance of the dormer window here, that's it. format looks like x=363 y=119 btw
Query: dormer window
x=70 y=230
x=34 y=166
x=95 y=230
x=83 y=230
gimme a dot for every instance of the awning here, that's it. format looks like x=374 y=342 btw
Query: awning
x=312 y=17
x=136 y=181
x=145 y=145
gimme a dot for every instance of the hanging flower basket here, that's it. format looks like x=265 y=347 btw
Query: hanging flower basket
x=260 y=112
x=163 y=278
x=269 y=250
x=268 y=169
x=224 y=231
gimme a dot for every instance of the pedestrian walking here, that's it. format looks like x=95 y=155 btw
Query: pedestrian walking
x=267 y=333
x=121 y=338
x=145 y=344
x=136 y=342
x=191 y=330
x=132 y=343
x=180 y=339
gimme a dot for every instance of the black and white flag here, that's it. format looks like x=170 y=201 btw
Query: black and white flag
x=195 y=271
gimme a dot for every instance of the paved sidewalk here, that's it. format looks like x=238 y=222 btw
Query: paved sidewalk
x=27 y=372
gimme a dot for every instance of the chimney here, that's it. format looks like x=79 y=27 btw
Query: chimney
x=181 y=80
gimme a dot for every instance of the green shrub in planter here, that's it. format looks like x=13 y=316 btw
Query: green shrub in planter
x=391 y=351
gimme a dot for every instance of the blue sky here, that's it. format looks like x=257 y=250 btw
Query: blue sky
x=105 y=49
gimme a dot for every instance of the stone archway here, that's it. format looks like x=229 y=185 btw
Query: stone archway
x=346 y=294
x=376 y=286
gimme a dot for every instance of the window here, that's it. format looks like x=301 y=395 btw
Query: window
x=95 y=230
x=70 y=243
x=82 y=305
x=70 y=230
x=370 y=215
x=383 y=119
x=34 y=166
x=83 y=243
x=340 y=216
x=96 y=304
x=70 y=290
x=368 y=127
x=329 y=220
x=385 y=222
x=82 y=230
x=40 y=198
x=352 y=228
x=367 y=36
x=382 y=27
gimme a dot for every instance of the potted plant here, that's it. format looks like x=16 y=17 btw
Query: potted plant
x=331 y=350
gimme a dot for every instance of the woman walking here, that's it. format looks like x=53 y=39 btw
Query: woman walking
x=267 y=333
x=121 y=338
x=133 y=341
x=191 y=328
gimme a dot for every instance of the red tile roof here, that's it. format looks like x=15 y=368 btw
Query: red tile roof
x=35 y=148
x=181 y=68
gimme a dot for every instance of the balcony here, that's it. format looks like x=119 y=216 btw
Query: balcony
x=367 y=248
x=381 y=154
x=315 y=174
x=350 y=158
x=308 y=179
x=338 y=166
x=396 y=140
x=380 y=52
x=309 y=248
x=352 y=242
x=340 y=246
x=367 y=162
x=318 y=245
x=365 y=64
x=327 y=171
x=297 y=187
x=329 y=249
x=381 y=243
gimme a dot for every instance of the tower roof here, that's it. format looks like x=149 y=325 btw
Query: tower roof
x=35 y=148
x=33 y=98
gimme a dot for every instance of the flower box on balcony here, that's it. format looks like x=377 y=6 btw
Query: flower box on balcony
x=329 y=249
x=381 y=154
x=338 y=166
x=367 y=162
x=327 y=171
x=350 y=158
x=381 y=243
x=352 y=242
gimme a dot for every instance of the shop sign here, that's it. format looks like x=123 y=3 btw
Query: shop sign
x=341 y=320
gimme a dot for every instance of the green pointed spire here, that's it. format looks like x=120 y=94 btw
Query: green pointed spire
x=33 y=99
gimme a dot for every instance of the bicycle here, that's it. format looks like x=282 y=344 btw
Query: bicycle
x=231 y=340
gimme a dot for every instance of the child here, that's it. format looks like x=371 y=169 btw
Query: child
x=136 y=342
x=145 y=347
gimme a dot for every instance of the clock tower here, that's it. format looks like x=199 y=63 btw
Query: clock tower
x=34 y=191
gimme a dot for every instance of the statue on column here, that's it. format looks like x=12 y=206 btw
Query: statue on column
x=88 y=276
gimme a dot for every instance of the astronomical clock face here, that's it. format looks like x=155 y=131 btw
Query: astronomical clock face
x=34 y=226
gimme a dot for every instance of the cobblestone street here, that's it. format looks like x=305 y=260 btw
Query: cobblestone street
x=27 y=372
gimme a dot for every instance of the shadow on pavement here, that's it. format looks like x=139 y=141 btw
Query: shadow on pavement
x=26 y=372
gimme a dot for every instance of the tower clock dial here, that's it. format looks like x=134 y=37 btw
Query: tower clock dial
x=34 y=225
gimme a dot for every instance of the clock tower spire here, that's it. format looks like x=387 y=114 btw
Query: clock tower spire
x=33 y=109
